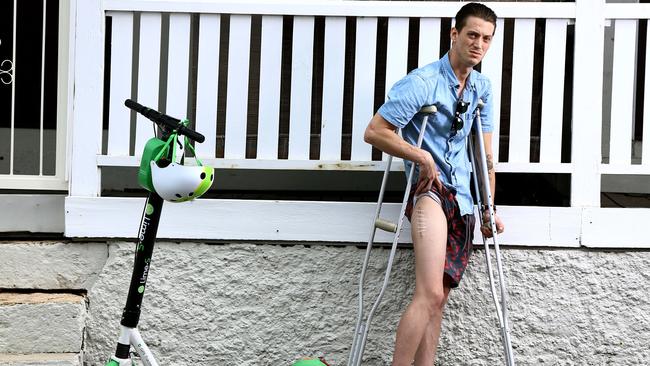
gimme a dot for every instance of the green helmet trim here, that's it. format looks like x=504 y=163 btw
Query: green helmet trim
x=203 y=187
x=181 y=183
x=206 y=183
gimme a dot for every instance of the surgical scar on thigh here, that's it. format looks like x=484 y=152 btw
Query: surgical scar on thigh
x=420 y=221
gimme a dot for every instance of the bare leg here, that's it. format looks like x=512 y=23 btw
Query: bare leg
x=426 y=352
x=429 y=233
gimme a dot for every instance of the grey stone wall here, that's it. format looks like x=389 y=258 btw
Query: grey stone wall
x=248 y=304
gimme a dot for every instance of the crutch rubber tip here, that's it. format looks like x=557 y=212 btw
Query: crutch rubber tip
x=386 y=225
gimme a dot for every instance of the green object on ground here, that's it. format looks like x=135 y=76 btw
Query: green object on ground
x=309 y=362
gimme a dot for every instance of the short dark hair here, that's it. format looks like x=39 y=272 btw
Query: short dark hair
x=474 y=10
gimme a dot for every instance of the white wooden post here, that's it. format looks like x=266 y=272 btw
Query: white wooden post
x=87 y=105
x=587 y=99
x=301 y=79
x=237 y=93
x=522 y=89
x=333 y=78
x=269 y=94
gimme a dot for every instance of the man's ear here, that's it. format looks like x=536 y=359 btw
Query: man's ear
x=453 y=34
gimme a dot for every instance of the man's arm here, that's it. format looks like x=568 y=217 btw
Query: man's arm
x=489 y=157
x=381 y=134
x=487 y=139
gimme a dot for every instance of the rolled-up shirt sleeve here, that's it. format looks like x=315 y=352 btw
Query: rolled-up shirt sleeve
x=404 y=100
x=487 y=113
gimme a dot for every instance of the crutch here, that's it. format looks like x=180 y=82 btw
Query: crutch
x=361 y=330
x=501 y=306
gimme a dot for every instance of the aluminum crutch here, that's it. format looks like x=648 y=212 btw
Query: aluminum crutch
x=361 y=330
x=501 y=306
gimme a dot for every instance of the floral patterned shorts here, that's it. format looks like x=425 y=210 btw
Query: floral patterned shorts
x=460 y=231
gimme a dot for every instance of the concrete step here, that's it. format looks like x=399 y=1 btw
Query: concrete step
x=40 y=322
x=41 y=359
x=51 y=265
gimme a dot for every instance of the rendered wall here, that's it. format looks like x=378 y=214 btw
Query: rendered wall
x=247 y=304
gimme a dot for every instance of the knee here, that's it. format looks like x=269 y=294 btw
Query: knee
x=433 y=300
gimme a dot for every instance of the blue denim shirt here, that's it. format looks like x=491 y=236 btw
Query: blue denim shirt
x=437 y=84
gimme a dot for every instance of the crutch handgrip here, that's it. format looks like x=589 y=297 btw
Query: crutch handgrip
x=386 y=225
x=429 y=109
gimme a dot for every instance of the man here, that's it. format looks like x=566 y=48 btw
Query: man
x=440 y=207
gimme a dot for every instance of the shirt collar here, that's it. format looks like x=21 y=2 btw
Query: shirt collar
x=451 y=77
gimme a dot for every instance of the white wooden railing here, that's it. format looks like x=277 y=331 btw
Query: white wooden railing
x=584 y=223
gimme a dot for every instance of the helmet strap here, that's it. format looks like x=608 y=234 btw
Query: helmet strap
x=172 y=141
x=165 y=150
x=187 y=143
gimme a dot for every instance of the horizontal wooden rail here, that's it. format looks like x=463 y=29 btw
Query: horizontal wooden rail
x=341 y=8
x=345 y=222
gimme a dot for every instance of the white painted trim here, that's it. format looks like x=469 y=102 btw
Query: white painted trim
x=627 y=11
x=207 y=219
x=66 y=92
x=624 y=169
x=342 y=8
x=645 y=158
x=615 y=227
x=366 y=165
x=88 y=92
x=64 y=96
x=12 y=126
x=264 y=164
x=42 y=105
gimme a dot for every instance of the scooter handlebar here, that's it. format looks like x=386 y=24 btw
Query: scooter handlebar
x=164 y=120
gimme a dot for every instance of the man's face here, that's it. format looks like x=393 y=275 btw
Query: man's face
x=473 y=41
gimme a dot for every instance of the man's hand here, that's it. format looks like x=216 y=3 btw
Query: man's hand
x=428 y=174
x=486 y=229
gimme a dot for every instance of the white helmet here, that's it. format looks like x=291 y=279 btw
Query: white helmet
x=180 y=183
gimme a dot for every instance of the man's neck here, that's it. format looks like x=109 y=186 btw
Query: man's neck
x=461 y=71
